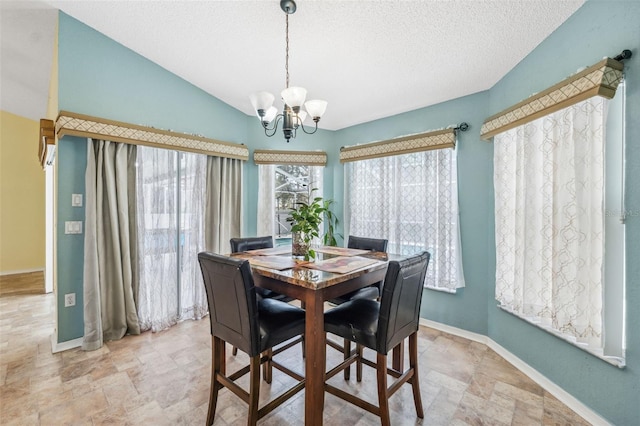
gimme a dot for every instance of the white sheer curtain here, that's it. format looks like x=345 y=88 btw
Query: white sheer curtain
x=266 y=199
x=193 y=298
x=171 y=221
x=549 y=180
x=411 y=200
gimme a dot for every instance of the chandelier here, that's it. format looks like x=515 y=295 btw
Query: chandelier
x=293 y=115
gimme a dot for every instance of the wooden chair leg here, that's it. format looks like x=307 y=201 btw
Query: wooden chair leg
x=397 y=362
x=267 y=367
x=359 y=363
x=217 y=367
x=304 y=351
x=383 y=395
x=254 y=390
x=346 y=350
x=415 y=380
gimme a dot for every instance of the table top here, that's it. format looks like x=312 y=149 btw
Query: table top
x=331 y=266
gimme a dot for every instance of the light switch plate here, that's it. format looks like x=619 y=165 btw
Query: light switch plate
x=73 y=227
x=76 y=200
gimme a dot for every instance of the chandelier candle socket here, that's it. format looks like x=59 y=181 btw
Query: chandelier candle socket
x=293 y=115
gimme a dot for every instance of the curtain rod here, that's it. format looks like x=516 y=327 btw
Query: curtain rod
x=625 y=54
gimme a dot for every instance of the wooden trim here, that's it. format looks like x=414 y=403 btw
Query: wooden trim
x=73 y=124
x=22 y=283
x=437 y=139
x=601 y=79
x=46 y=142
x=305 y=158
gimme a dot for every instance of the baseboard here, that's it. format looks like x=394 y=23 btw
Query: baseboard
x=64 y=346
x=21 y=271
x=563 y=396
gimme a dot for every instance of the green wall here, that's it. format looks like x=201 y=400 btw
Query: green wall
x=100 y=77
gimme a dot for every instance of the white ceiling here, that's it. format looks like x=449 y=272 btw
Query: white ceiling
x=27 y=31
x=368 y=59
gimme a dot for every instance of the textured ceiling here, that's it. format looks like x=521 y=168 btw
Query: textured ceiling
x=368 y=59
x=26 y=37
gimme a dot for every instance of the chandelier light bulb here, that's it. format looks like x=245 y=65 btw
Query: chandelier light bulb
x=261 y=101
x=316 y=108
x=270 y=114
x=294 y=96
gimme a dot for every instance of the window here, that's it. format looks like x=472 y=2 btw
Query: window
x=280 y=188
x=411 y=200
x=559 y=237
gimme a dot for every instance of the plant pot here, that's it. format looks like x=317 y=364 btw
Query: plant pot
x=299 y=247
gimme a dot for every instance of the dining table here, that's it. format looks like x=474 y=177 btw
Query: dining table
x=334 y=272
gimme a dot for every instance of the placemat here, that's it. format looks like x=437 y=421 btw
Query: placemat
x=341 y=265
x=273 y=262
x=341 y=251
x=270 y=251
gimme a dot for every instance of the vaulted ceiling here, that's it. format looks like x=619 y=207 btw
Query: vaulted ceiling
x=368 y=59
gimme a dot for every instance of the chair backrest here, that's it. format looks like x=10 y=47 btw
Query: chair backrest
x=400 y=300
x=231 y=294
x=251 y=243
x=375 y=244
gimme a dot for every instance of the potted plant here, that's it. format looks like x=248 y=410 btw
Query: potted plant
x=305 y=222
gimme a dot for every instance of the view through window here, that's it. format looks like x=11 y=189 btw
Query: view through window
x=292 y=185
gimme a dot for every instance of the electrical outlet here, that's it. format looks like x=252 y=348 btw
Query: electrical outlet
x=69 y=300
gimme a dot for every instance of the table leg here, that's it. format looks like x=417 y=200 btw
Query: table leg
x=315 y=360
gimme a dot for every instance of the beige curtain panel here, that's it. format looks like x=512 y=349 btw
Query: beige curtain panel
x=601 y=79
x=437 y=139
x=110 y=277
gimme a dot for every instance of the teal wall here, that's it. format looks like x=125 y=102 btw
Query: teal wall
x=100 y=77
x=598 y=29
x=70 y=166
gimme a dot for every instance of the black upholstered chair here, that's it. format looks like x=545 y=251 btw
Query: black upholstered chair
x=370 y=292
x=251 y=243
x=381 y=326
x=249 y=323
x=254 y=243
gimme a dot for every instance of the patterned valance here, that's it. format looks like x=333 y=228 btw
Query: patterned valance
x=404 y=145
x=69 y=123
x=307 y=158
x=600 y=79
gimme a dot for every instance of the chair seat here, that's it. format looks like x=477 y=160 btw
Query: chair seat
x=278 y=322
x=355 y=320
x=371 y=292
x=268 y=294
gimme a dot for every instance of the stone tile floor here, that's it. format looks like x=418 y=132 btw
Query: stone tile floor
x=163 y=379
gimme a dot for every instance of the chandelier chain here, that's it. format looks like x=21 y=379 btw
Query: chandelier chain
x=286 y=66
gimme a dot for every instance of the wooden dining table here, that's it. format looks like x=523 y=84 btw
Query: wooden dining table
x=331 y=275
